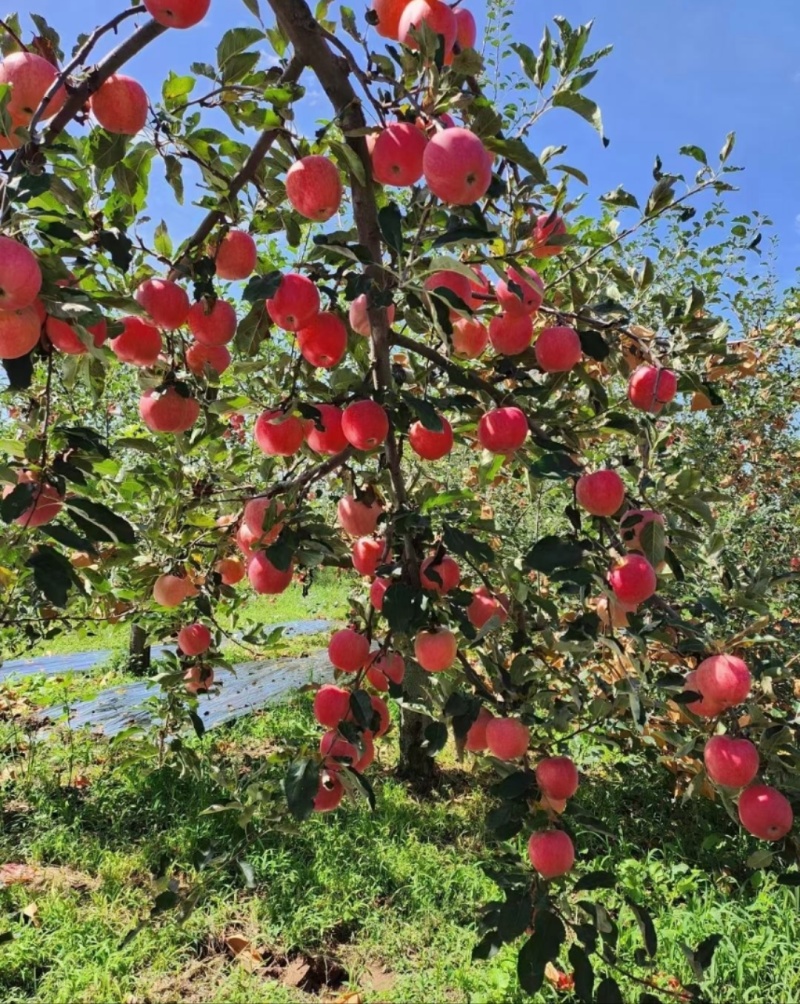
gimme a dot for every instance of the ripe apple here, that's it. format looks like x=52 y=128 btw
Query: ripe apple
x=439 y=576
x=329 y=440
x=177 y=13
x=527 y=298
x=265 y=578
x=705 y=707
x=20 y=331
x=140 y=343
x=601 y=493
x=368 y=755
x=165 y=302
x=507 y=738
x=254 y=517
x=336 y=749
x=436 y=15
x=194 y=639
x=359 y=317
x=386 y=668
x=551 y=853
x=633 y=523
x=235 y=256
x=436 y=650
x=484 y=606
x=216 y=357
x=511 y=334
x=558 y=350
x=295 y=303
x=323 y=341
x=651 y=387
x=314 y=188
x=231 y=570
x=329 y=793
x=546 y=227
x=331 y=705
x=724 y=679
x=198 y=679
x=389 y=13
x=380 y=708
x=457 y=167
x=20 y=275
x=765 y=812
x=45 y=501
x=453 y=281
x=470 y=337
x=29 y=77
x=466 y=29
x=212 y=325
x=730 y=762
x=633 y=579
x=397 y=155
x=365 y=425
x=359 y=519
x=168 y=411
x=368 y=554
x=65 y=338
x=172 y=590
x=348 y=650
x=377 y=591
x=503 y=430
x=557 y=777
x=430 y=445
x=120 y=105
x=278 y=434
x=476 y=736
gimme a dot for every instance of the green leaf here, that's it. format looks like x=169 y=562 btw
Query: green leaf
x=518 y=153
x=252 y=6
x=52 y=573
x=425 y=412
x=162 y=240
x=542 y=947
x=390 y=220
x=697 y=152
x=175 y=87
x=402 y=607
x=527 y=57
x=349 y=23
x=597 y=880
x=646 y=926
x=99 y=523
x=594 y=345
x=300 y=785
x=608 y=992
x=262 y=287
x=348 y=160
x=236 y=40
x=556 y=467
x=468 y=546
x=435 y=738
x=583 y=106
x=653 y=542
x=174 y=174
x=727 y=149
x=551 y=553
x=619 y=197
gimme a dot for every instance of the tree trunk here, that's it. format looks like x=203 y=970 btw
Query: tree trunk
x=415 y=765
x=138 y=652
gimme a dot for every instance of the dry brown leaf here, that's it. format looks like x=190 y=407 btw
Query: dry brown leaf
x=295 y=972
x=31 y=911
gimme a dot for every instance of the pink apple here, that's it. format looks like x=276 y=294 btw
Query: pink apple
x=511 y=334
x=633 y=579
x=558 y=350
x=397 y=155
x=503 y=430
x=314 y=188
x=235 y=256
x=430 y=445
x=732 y=763
x=120 y=105
x=765 y=812
x=601 y=493
x=359 y=317
x=165 y=302
x=557 y=777
x=527 y=298
x=507 y=738
x=329 y=439
x=457 y=166
x=651 y=387
x=365 y=425
x=551 y=853
x=436 y=650
x=348 y=650
x=295 y=303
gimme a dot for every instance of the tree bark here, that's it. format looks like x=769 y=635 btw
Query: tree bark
x=333 y=72
x=138 y=652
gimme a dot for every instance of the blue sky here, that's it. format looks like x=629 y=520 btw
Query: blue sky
x=683 y=71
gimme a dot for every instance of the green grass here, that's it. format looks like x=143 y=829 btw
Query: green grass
x=393 y=896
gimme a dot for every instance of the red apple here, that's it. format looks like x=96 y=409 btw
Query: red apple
x=457 y=166
x=507 y=738
x=466 y=29
x=295 y=303
x=633 y=579
x=278 y=434
x=359 y=317
x=365 y=425
x=453 y=281
x=168 y=411
x=397 y=155
x=330 y=439
x=120 y=105
x=45 y=501
x=194 y=639
x=470 y=337
x=430 y=445
x=20 y=331
x=551 y=853
x=389 y=13
x=503 y=430
x=323 y=341
x=558 y=350
x=651 y=387
x=331 y=705
x=140 y=343
x=265 y=578
x=165 y=302
x=198 y=679
x=386 y=668
x=235 y=257
x=601 y=493
x=436 y=15
x=436 y=650
x=65 y=338
x=557 y=777
x=475 y=741
x=214 y=325
x=724 y=679
x=733 y=763
x=177 y=13
x=377 y=591
x=29 y=77
x=439 y=576
x=368 y=555
x=314 y=188
x=484 y=606
x=216 y=357
x=547 y=226
x=705 y=708
x=511 y=334
x=348 y=650
x=765 y=812
x=231 y=570
x=527 y=298
x=20 y=275
x=171 y=590
x=359 y=519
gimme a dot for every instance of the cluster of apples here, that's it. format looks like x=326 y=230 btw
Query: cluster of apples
x=397 y=19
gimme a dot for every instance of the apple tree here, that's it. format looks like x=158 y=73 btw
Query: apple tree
x=393 y=346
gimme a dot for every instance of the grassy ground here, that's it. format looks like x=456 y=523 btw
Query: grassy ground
x=383 y=905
